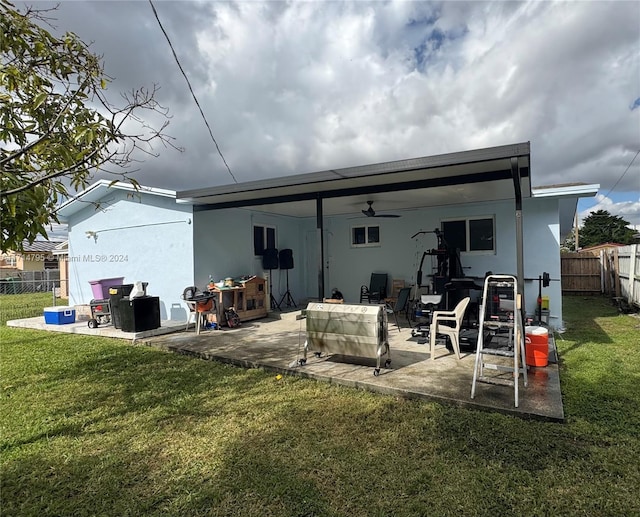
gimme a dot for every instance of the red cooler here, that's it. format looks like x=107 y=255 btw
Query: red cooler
x=537 y=346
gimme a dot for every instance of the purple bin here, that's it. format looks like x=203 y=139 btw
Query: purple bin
x=100 y=288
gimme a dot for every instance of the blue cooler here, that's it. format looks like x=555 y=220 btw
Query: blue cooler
x=59 y=315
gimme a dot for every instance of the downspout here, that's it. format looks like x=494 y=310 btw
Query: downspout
x=517 y=188
x=320 y=228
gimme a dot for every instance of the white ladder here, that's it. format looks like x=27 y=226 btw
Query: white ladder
x=511 y=321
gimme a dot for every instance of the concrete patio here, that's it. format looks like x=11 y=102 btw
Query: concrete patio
x=276 y=343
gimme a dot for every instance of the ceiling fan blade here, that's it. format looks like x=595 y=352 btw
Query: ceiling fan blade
x=370 y=212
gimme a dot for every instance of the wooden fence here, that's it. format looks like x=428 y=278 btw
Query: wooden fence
x=580 y=273
x=615 y=272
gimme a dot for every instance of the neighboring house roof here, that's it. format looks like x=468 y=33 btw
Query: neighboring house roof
x=604 y=245
x=40 y=246
x=98 y=190
x=61 y=249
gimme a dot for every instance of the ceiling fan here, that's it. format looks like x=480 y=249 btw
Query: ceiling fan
x=370 y=212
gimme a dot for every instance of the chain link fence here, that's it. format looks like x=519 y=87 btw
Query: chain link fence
x=26 y=298
x=30 y=282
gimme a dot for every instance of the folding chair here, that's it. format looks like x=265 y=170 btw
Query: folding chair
x=377 y=289
x=401 y=304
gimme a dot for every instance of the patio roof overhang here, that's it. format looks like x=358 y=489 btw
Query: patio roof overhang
x=481 y=175
x=462 y=177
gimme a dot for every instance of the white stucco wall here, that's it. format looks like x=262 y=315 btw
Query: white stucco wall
x=542 y=254
x=399 y=255
x=132 y=243
x=223 y=246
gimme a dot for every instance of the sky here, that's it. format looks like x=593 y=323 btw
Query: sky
x=296 y=87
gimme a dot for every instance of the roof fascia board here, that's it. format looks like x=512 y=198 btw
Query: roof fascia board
x=238 y=201
x=100 y=188
x=589 y=190
x=410 y=165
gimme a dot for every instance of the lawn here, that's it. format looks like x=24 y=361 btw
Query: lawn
x=27 y=305
x=95 y=426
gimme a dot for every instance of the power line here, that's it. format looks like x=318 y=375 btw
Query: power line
x=625 y=171
x=191 y=90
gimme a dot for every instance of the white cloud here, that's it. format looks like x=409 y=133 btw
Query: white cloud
x=303 y=86
x=627 y=210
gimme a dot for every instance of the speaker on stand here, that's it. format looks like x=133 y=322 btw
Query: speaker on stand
x=286 y=262
x=270 y=262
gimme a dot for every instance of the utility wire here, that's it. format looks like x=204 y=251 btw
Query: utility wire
x=625 y=171
x=155 y=13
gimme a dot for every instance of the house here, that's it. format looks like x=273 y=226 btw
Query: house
x=482 y=200
x=36 y=256
x=116 y=231
x=61 y=252
x=595 y=250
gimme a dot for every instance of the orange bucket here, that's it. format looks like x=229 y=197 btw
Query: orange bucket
x=536 y=346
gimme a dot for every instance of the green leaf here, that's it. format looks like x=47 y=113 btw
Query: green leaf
x=39 y=99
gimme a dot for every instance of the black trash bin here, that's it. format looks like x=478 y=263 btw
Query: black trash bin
x=140 y=314
x=117 y=293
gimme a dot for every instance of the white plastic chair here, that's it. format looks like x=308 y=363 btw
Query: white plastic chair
x=448 y=323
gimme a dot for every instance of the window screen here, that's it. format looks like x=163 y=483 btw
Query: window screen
x=470 y=234
x=365 y=236
x=481 y=234
x=455 y=233
x=263 y=237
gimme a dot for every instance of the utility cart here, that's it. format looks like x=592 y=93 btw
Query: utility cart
x=350 y=330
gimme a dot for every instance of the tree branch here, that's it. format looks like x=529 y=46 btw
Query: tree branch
x=47 y=133
x=57 y=174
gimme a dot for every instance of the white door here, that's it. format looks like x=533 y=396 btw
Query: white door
x=312 y=253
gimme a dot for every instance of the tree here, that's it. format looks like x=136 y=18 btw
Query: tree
x=569 y=243
x=600 y=227
x=57 y=127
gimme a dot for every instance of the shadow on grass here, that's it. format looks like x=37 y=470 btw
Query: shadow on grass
x=125 y=430
x=581 y=313
x=115 y=420
x=599 y=365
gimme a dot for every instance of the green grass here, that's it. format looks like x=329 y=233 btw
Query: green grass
x=28 y=305
x=94 y=426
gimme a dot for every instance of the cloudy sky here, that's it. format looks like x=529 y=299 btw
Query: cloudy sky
x=294 y=87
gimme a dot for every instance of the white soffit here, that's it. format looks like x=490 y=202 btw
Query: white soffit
x=574 y=189
x=469 y=176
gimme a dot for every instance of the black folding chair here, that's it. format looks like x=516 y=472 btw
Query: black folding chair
x=376 y=292
x=402 y=304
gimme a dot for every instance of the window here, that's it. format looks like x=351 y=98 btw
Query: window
x=51 y=262
x=365 y=236
x=10 y=260
x=470 y=235
x=263 y=237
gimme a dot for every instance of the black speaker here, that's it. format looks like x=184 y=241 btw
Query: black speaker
x=270 y=259
x=286 y=259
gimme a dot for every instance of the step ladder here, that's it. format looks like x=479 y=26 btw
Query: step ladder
x=501 y=318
